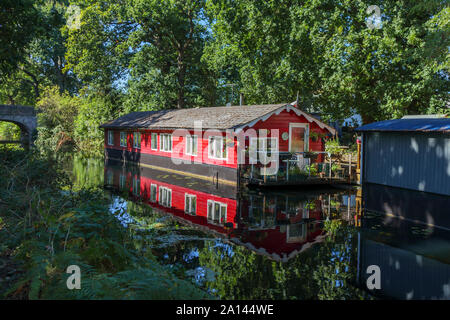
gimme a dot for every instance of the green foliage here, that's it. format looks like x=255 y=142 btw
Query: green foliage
x=56 y=121
x=94 y=50
x=323 y=272
x=136 y=55
x=251 y=40
x=325 y=51
x=332 y=226
x=93 y=111
x=152 y=47
x=86 y=172
x=68 y=123
x=235 y=278
x=187 y=53
x=334 y=147
x=312 y=169
x=41 y=62
x=153 y=283
x=296 y=172
x=9 y=131
x=20 y=24
x=47 y=226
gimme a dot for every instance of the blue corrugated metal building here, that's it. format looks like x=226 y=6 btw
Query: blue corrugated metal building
x=407 y=153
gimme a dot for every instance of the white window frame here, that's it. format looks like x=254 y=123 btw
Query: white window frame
x=163 y=200
x=110 y=137
x=211 y=205
x=153 y=196
x=212 y=147
x=189 y=207
x=154 y=137
x=123 y=137
x=137 y=137
x=190 y=150
x=162 y=144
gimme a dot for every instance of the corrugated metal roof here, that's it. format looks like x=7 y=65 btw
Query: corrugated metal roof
x=423 y=125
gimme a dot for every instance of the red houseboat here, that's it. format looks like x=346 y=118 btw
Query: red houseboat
x=216 y=143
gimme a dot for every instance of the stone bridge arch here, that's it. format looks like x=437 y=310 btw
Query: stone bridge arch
x=24 y=117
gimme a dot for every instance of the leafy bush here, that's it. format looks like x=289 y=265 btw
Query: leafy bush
x=56 y=121
x=333 y=146
x=9 y=131
x=93 y=111
x=69 y=123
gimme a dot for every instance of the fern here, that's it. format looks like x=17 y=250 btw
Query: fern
x=54 y=227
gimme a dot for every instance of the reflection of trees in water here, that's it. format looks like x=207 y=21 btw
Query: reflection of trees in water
x=240 y=276
x=87 y=173
x=325 y=271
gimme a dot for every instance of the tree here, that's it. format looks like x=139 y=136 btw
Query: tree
x=42 y=62
x=20 y=22
x=56 y=120
x=94 y=110
x=251 y=41
x=97 y=51
x=153 y=47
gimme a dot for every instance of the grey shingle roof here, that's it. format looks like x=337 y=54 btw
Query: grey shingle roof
x=212 y=118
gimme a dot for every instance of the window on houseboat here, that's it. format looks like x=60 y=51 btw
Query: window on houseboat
x=190 y=204
x=111 y=137
x=154 y=141
x=165 y=142
x=165 y=197
x=191 y=145
x=153 y=192
x=137 y=140
x=123 y=139
x=217 y=148
x=217 y=212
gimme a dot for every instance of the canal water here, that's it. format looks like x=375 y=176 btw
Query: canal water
x=297 y=243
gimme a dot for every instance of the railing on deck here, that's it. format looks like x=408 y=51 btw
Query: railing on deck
x=302 y=168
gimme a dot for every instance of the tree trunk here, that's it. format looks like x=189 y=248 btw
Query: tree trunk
x=367 y=118
x=60 y=75
x=34 y=82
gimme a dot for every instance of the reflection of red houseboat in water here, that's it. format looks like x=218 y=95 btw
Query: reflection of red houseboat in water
x=276 y=225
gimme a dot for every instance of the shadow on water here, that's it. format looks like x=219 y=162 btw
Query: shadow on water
x=311 y=243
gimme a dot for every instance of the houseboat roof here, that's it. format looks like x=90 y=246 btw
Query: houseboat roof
x=229 y=117
x=407 y=125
